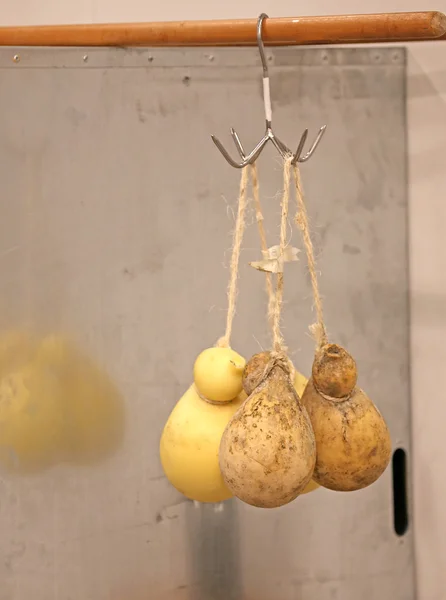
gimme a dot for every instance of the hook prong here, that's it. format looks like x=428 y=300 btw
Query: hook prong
x=284 y=150
x=278 y=147
x=247 y=160
x=300 y=147
x=226 y=155
x=238 y=143
x=315 y=144
x=253 y=156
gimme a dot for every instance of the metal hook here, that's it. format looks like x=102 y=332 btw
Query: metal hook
x=269 y=134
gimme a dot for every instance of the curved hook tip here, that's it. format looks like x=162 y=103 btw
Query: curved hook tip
x=310 y=152
x=260 y=20
x=226 y=155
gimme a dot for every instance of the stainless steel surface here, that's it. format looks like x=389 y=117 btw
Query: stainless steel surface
x=269 y=136
x=124 y=243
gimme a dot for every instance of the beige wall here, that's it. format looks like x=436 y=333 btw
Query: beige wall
x=427 y=175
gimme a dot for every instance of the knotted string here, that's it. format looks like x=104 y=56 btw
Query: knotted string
x=317 y=329
x=278 y=355
x=224 y=341
x=276 y=308
x=262 y=235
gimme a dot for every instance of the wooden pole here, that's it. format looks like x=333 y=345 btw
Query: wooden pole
x=341 y=29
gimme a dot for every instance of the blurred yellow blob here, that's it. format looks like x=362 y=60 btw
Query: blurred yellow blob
x=55 y=405
x=30 y=419
x=17 y=348
x=92 y=407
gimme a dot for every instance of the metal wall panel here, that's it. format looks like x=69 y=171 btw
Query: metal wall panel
x=116 y=219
